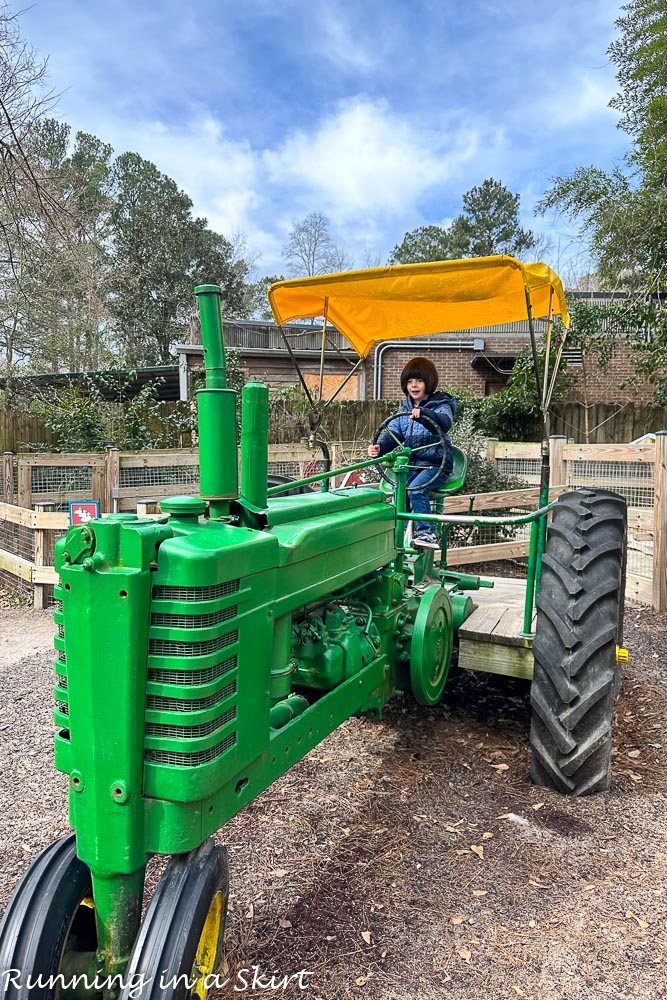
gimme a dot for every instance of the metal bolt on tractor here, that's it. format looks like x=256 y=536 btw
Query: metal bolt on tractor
x=201 y=654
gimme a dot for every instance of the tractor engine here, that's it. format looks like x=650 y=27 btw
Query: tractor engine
x=331 y=644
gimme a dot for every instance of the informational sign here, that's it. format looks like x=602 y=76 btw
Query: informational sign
x=83 y=511
x=353 y=478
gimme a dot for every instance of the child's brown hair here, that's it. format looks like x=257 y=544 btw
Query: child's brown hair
x=423 y=369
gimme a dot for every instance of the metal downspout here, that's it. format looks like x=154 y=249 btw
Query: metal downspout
x=402 y=345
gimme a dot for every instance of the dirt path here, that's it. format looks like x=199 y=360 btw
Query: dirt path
x=412 y=858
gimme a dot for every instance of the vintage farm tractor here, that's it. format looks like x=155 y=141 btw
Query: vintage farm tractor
x=202 y=653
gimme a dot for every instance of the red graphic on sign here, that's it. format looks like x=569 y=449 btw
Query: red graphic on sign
x=353 y=478
x=83 y=511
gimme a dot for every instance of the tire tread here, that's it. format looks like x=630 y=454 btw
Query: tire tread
x=579 y=620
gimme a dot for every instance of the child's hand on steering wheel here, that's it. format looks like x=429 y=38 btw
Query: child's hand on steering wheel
x=374 y=451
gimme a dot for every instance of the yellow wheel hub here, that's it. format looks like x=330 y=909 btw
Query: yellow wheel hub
x=207 y=949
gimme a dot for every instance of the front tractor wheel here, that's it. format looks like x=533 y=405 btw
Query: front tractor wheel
x=178 y=949
x=49 y=921
x=579 y=627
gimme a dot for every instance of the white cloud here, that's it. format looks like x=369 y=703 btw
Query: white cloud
x=220 y=175
x=335 y=40
x=581 y=97
x=238 y=104
x=366 y=159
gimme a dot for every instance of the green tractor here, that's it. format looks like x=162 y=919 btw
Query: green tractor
x=202 y=653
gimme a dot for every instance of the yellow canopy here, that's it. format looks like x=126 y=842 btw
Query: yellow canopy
x=412 y=300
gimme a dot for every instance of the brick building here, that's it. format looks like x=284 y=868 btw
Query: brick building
x=481 y=360
x=265 y=356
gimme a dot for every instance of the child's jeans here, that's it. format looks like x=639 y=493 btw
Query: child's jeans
x=418 y=501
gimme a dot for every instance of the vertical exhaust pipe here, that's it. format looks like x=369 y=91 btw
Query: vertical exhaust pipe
x=218 y=453
x=254 y=446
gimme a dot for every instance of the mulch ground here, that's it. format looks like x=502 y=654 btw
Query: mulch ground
x=412 y=858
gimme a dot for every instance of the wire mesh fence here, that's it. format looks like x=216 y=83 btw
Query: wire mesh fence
x=527 y=469
x=59 y=484
x=15 y=587
x=151 y=477
x=629 y=471
x=17 y=540
x=298 y=468
x=490 y=534
x=633 y=480
x=291 y=470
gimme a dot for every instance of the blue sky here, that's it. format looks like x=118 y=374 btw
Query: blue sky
x=378 y=113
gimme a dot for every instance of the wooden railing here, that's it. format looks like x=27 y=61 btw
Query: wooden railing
x=636 y=471
x=30 y=522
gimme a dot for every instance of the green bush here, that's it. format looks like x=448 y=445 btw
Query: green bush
x=482 y=476
x=97 y=412
x=508 y=417
x=84 y=418
x=513 y=414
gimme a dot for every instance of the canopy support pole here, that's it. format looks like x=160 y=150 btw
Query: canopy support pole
x=554 y=374
x=324 y=344
x=547 y=348
x=533 y=346
x=344 y=382
x=538 y=531
x=296 y=366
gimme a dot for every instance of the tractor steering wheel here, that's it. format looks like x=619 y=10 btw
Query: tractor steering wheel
x=433 y=426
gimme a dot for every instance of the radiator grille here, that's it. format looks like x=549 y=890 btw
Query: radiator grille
x=194 y=621
x=181 y=759
x=60 y=656
x=62 y=707
x=191 y=678
x=61 y=682
x=61 y=631
x=160 y=703
x=174 y=647
x=189 y=732
x=195 y=593
x=186 y=730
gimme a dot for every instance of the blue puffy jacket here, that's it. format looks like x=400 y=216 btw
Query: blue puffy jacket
x=441 y=407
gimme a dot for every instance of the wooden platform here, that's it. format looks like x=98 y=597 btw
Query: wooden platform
x=489 y=640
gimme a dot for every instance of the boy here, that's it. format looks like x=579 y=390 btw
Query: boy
x=419 y=381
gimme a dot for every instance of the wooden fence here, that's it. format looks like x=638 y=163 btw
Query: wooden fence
x=356 y=420
x=20 y=429
x=638 y=472
x=608 y=423
x=35 y=486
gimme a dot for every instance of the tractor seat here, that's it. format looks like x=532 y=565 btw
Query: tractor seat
x=456 y=478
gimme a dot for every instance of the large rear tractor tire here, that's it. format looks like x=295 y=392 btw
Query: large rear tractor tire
x=578 y=631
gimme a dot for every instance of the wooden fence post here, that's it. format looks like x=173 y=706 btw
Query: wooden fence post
x=660 y=523
x=112 y=470
x=557 y=464
x=25 y=485
x=38 y=589
x=8 y=477
x=491 y=450
x=98 y=483
x=149 y=506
